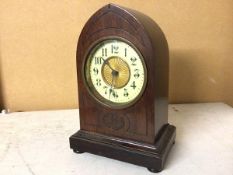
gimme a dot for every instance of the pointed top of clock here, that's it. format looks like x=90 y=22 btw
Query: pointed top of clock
x=115 y=6
x=112 y=18
x=113 y=21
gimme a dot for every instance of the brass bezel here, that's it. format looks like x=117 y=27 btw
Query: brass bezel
x=89 y=85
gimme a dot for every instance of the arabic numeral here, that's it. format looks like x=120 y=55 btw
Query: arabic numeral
x=95 y=70
x=136 y=73
x=126 y=94
x=104 y=52
x=133 y=85
x=98 y=60
x=114 y=49
x=98 y=82
x=105 y=90
x=133 y=60
x=114 y=94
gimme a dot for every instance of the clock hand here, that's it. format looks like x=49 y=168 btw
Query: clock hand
x=107 y=63
x=110 y=90
x=114 y=75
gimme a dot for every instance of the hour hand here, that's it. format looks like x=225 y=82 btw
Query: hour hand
x=107 y=63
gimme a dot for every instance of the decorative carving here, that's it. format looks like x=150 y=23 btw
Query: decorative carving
x=113 y=121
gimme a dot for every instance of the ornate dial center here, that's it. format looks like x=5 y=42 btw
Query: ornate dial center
x=116 y=72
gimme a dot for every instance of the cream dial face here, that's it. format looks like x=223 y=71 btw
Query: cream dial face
x=115 y=73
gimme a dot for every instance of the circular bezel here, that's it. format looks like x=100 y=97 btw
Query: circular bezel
x=87 y=78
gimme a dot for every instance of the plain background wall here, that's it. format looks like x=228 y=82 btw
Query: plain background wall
x=38 y=46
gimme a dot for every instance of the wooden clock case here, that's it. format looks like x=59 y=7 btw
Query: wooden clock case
x=139 y=134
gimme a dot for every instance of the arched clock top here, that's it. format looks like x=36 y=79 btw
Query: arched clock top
x=114 y=18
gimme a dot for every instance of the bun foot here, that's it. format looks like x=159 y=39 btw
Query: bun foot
x=78 y=152
x=153 y=170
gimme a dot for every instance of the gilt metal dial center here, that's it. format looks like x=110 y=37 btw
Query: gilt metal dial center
x=116 y=69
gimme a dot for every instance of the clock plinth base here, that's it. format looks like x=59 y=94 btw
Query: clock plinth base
x=152 y=156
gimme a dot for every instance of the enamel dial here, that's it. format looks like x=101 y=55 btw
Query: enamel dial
x=115 y=73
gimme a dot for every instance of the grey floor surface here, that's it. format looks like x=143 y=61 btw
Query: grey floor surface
x=36 y=143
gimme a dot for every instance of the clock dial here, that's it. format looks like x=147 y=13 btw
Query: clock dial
x=115 y=72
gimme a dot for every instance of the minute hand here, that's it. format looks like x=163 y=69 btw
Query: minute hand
x=112 y=86
x=107 y=63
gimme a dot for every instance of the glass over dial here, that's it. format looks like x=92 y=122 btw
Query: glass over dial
x=115 y=73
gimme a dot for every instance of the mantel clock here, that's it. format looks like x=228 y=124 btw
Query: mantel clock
x=122 y=67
